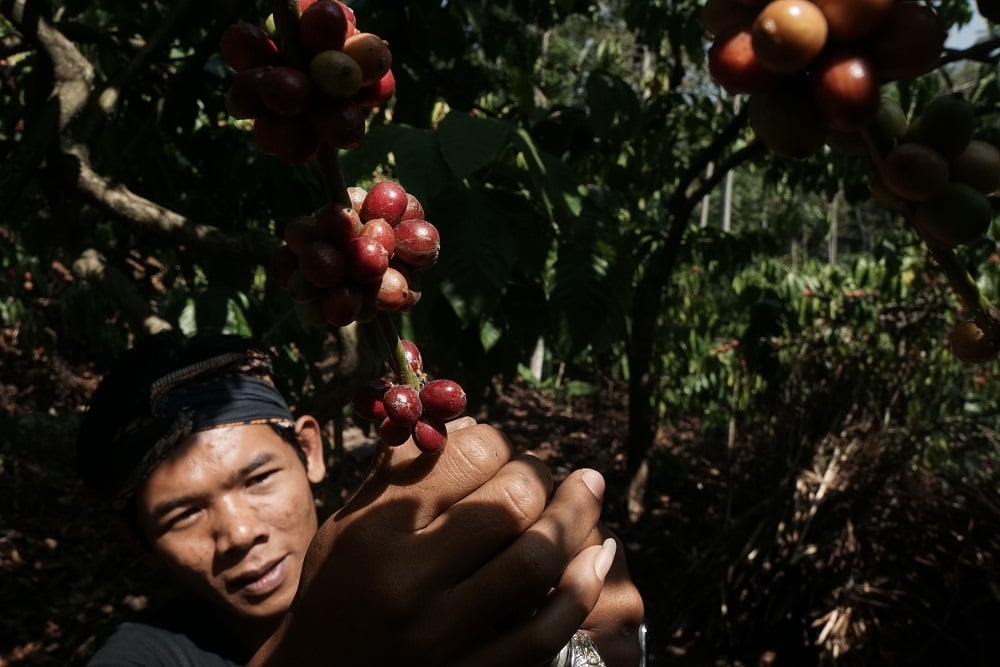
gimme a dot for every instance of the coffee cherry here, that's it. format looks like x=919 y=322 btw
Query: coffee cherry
x=339 y=123
x=957 y=215
x=417 y=243
x=414 y=209
x=393 y=292
x=788 y=34
x=381 y=231
x=970 y=345
x=367 y=260
x=336 y=74
x=430 y=435
x=378 y=93
x=323 y=27
x=301 y=231
x=846 y=89
x=367 y=400
x=245 y=46
x=285 y=90
x=915 y=171
x=908 y=43
x=722 y=18
x=337 y=224
x=386 y=200
x=243 y=99
x=978 y=166
x=371 y=52
x=402 y=404
x=342 y=305
x=946 y=124
x=413 y=290
x=733 y=64
x=352 y=21
x=286 y=137
x=322 y=264
x=357 y=196
x=394 y=433
x=851 y=20
x=413 y=358
x=788 y=122
x=443 y=399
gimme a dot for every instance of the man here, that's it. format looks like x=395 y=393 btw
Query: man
x=465 y=558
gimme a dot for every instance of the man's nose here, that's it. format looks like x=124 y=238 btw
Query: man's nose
x=237 y=526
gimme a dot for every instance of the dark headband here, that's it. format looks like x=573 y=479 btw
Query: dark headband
x=186 y=402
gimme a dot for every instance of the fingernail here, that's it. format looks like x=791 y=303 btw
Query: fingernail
x=602 y=564
x=595 y=482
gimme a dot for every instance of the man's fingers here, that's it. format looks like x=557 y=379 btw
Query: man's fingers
x=542 y=636
x=429 y=485
x=496 y=514
x=520 y=576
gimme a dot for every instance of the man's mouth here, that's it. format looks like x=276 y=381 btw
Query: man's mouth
x=260 y=581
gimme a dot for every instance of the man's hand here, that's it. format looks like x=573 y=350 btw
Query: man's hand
x=614 y=622
x=459 y=559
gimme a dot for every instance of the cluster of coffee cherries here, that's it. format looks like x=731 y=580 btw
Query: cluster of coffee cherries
x=347 y=262
x=937 y=170
x=815 y=66
x=317 y=91
x=940 y=171
x=404 y=411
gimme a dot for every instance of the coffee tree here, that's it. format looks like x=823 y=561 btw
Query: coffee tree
x=562 y=152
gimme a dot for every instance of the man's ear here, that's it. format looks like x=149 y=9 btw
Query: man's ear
x=310 y=436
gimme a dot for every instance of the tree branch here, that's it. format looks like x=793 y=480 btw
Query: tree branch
x=73 y=80
x=982 y=52
x=90 y=266
x=145 y=214
x=709 y=154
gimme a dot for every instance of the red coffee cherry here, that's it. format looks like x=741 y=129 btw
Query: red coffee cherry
x=381 y=231
x=243 y=98
x=323 y=26
x=443 y=399
x=402 y=404
x=417 y=243
x=386 y=200
x=337 y=224
x=394 y=433
x=367 y=399
x=322 y=264
x=285 y=90
x=367 y=260
x=245 y=45
x=430 y=435
x=342 y=305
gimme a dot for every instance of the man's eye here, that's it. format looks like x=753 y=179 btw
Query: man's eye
x=181 y=519
x=261 y=478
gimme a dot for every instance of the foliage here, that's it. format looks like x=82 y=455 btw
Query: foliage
x=563 y=148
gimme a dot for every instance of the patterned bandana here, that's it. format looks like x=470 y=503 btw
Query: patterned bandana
x=228 y=390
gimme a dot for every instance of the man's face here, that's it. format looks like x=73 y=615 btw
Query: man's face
x=230 y=513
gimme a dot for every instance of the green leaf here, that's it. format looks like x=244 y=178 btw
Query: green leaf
x=468 y=143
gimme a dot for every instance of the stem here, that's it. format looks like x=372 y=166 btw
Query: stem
x=333 y=176
x=394 y=346
x=983 y=312
x=286 y=20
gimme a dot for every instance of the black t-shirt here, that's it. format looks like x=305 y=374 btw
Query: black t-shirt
x=182 y=634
